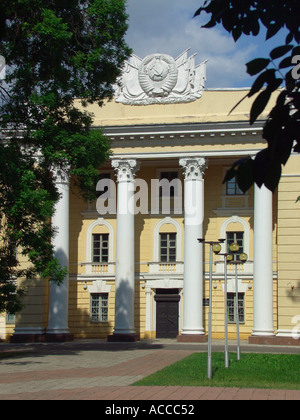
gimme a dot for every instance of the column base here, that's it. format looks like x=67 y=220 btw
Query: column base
x=192 y=338
x=273 y=340
x=123 y=338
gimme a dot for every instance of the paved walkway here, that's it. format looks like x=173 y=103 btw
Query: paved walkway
x=96 y=369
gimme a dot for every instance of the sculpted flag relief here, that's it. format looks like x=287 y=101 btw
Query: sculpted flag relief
x=160 y=79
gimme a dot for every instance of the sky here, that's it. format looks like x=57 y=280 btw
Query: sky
x=168 y=27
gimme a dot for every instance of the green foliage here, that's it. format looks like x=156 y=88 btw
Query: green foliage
x=56 y=51
x=281 y=130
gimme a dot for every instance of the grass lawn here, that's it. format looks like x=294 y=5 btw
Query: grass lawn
x=278 y=371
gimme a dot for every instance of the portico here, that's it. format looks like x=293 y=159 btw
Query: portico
x=136 y=268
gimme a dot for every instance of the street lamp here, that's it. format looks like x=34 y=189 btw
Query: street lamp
x=227 y=257
x=215 y=247
x=242 y=259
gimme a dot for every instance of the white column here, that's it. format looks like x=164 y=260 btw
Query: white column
x=193 y=250
x=262 y=265
x=125 y=273
x=59 y=294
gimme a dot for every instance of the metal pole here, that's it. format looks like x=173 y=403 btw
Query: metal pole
x=225 y=314
x=238 y=354
x=209 y=360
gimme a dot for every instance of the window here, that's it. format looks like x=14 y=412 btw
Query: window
x=99 y=307
x=232 y=187
x=100 y=247
x=238 y=238
x=10 y=318
x=169 y=176
x=167 y=247
x=231 y=307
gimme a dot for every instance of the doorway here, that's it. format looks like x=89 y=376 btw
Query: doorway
x=167 y=313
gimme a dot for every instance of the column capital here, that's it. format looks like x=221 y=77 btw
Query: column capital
x=193 y=167
x=61 y=176
x=125 y=169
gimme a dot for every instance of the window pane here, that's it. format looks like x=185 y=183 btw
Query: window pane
x=235 y=237
x=231 y=307
x=168 y=247
x=99 y=307
x=232 y=187
x=100 y=247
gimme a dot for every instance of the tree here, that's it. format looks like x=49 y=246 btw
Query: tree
x=55 y=51
x=282 y=128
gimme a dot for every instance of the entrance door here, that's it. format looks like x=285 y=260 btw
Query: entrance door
x=167 y=313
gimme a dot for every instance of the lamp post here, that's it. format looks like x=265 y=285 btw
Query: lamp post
x=216 y=248
x=242 y=259
x=227 y=257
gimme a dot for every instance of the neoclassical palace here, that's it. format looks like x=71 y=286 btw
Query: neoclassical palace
x=137 y=269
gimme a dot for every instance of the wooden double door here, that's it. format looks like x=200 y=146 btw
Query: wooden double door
x=167 y=313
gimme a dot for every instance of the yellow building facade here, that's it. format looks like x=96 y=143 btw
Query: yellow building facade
x=136 y=267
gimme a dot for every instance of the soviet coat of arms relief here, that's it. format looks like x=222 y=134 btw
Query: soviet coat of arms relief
x=160 y=79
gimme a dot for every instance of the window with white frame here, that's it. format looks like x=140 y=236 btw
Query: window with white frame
x=231 y=307
x=167 y=247
x=99 y=307
x=100 y=247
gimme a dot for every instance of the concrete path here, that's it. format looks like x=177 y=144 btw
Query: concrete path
x=96 y=369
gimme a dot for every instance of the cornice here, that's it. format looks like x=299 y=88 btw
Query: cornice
x=183 y=132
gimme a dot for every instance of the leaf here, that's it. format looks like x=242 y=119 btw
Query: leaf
x=272 y=30
x=273 y=176
x=258 y=84
x=261 y=166
x=280 y=51
x=257 y=65
x=259 y=105
x=231 y=173
x=296 y=51
x=286 y=62
x=197 y=13
x=289 y=38
x=245 y=175
x=210 y=24
x=236 y=33
x=236 y=105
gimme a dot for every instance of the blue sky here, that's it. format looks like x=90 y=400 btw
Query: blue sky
x=168 y=26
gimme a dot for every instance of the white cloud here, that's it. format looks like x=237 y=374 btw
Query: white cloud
x=167 y=26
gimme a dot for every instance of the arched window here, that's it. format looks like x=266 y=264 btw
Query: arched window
x=236 y=229
x=100 y=242
x=167 y=240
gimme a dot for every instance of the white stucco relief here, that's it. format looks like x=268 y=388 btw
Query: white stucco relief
x=160 y=79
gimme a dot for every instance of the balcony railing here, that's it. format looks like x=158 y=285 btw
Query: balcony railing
x=93 y=268
x=166 y=267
